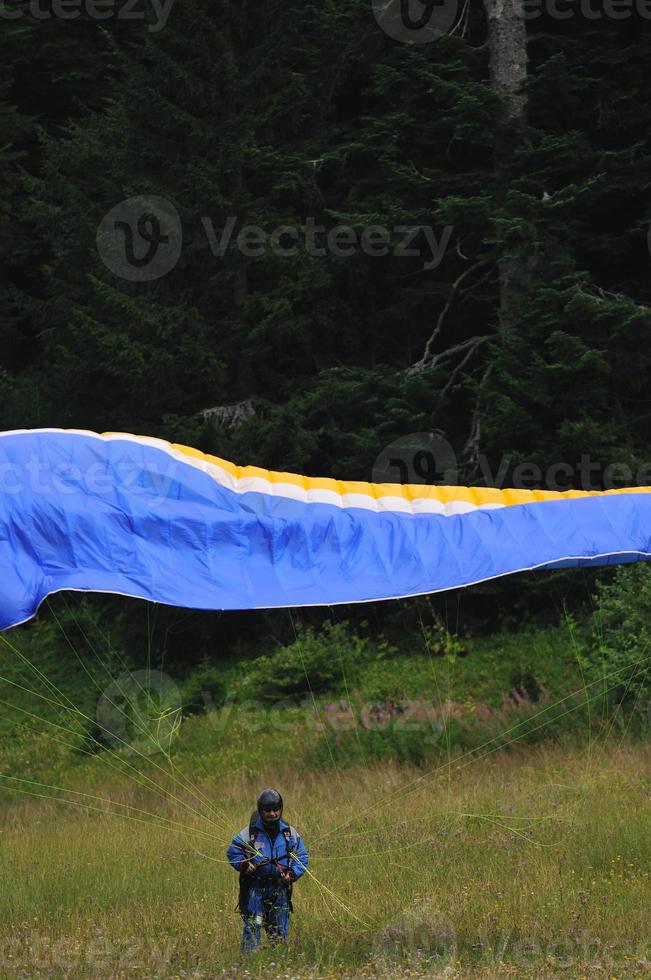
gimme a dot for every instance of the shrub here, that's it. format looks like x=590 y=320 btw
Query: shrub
x=316 y=662
x=621 y=637
x=203 y=689
x=441 y=642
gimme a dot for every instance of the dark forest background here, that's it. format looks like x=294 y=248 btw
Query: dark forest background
x=529 y=342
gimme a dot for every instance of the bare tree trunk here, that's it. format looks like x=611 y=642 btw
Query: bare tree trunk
x=507 y=41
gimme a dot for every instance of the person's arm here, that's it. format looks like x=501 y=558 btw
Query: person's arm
x=300 y=861
x=238 y=854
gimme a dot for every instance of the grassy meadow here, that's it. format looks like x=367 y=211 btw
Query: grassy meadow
x=473 y=829
x=532 y=862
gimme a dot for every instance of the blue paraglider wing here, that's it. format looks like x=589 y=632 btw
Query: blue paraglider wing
x=140 y=517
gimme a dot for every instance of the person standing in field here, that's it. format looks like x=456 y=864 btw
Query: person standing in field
x=270 y=856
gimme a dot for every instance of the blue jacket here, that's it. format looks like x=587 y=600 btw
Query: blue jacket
x=269 y=855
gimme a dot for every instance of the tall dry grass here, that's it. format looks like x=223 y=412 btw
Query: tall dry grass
x=531 y=863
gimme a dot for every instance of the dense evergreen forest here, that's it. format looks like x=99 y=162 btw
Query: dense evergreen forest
x=370 y=238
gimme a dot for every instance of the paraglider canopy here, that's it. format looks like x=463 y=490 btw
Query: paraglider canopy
x=141 y=517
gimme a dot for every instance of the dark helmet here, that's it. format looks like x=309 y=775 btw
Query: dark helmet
x=268 y=798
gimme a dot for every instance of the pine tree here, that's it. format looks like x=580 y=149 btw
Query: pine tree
x=573 y=378
x=15 y=247
x=268 y=139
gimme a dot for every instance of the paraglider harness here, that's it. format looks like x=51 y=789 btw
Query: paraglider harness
x=246 y=881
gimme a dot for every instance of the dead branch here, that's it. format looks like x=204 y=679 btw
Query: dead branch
x=470 y=452
x=472 y=347
x=422 y=363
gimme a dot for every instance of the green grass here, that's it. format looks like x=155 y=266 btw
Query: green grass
x=529 y=862
x=489 y=858
x=492 y=667
x=338 y=664
x=40 y=669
